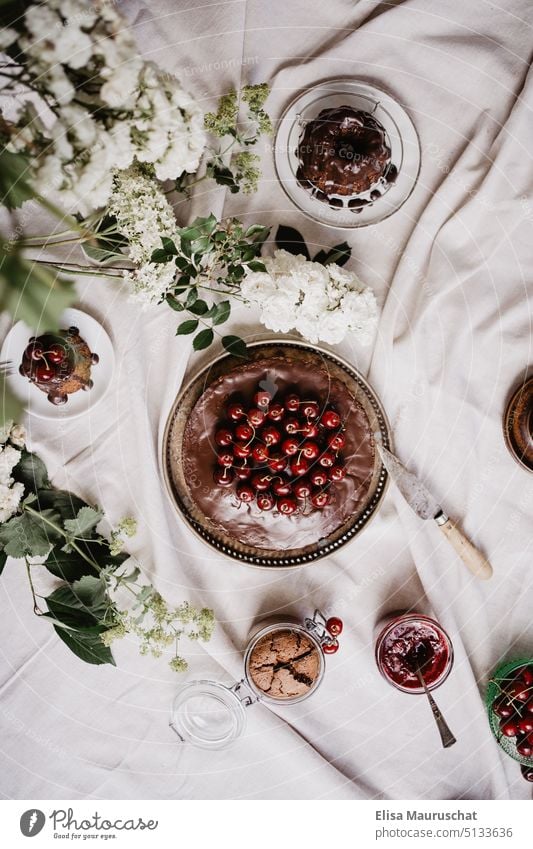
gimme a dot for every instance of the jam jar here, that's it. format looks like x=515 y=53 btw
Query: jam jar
x=408 y=640
x=284 y=663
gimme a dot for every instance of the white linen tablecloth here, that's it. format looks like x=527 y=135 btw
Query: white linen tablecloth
x=451 y=271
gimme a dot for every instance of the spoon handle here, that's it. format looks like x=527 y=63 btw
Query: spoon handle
x=445 y=734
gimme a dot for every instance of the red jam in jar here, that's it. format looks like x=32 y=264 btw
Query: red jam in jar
x=410 y=639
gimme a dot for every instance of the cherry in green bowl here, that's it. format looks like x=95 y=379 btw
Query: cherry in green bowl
x=509 y=701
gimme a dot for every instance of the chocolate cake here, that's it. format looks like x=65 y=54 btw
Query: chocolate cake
x=343 y=152
x=272 y=528
x=284 y=664
x=58 y=364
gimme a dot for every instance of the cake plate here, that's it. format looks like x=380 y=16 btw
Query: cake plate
x=355 y=210
x=177 y=485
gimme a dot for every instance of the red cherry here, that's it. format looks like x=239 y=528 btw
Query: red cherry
x=275 y=412
x=502 y=707
x=330 y=648
x=310 y=450
x=327 y=460
x=235 y=412
x=310 y=430
x=320 y=499
x=281 y=487
x=224 y=437
x=336 y=441
x=270 y=435
x=290 y=446
x=526 y=674
x=277 y=462
x=225 y=458
x=337 y=473
x=292 y=402
x=34 y=351
x=302 y=488
x=260 y=453
x=244 y=432
x=330 y=419
x=287 y=506
x=519 y=691
x=527 y=772
x=509 y=727
x=525 y=724
x=56 y=353
x=243 y=472
x=44 y=374
x=261 y=481
x=299 y=466
x=292 y=426
x=265 y=501
x=310 y=409
x=223 y=477
x=334 y=625
x=529 y=706
x=318 y=477
x=523 y=747
x=256 y=417
x=242 y=451
x=245 y=493
x=262 y=398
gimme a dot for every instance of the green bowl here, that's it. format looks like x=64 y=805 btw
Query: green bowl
x=493 y=691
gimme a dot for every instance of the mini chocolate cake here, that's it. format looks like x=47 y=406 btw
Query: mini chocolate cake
x=343 y=152
x=284 y=664
x=58 y=364
x=292 y=392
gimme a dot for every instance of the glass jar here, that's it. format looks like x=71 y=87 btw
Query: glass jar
x=284 y=663
x=402 y=633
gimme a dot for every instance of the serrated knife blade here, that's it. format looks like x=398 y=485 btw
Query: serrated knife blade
x=420 y=499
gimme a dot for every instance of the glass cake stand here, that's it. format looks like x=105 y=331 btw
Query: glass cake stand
x=359 y=210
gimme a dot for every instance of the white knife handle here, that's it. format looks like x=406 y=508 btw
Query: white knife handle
x=471 y=557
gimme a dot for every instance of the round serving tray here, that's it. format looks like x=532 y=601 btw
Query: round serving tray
x=358 y=210
x=518 y=425
x=177 y=485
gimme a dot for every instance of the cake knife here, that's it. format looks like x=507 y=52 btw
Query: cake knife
x=424 y=505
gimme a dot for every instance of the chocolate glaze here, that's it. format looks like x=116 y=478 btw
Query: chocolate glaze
x=343 y=152
x=245 y=522
x=72 y=374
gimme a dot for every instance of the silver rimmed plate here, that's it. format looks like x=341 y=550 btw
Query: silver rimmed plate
x=176 y=479
x=355 y=210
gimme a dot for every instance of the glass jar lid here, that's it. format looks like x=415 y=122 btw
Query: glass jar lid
x=208 y=714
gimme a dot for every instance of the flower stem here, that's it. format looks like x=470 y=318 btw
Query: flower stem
x=60 y=531
x=36 y=609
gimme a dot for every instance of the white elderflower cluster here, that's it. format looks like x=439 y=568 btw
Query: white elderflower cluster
x=322 y=302
x=11 y=492
x=111 y=107
x=143 y=216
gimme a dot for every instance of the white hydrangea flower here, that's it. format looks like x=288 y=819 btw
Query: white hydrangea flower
x=10 y=498
x=9 y=457
x=17 y=435
x=7 y=37
x=323 y=303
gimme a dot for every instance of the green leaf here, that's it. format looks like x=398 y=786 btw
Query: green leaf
x=199 y=308
x=291 y=240
x=225 y=177
x=187 y=327
x=255 y=229
x=28 y=535
x=160 y=255
x=15 y=171
x=88 y=647
x=11 y=408
x=174 y=303
x=3 y=560
x=236 y=346
x=68 y=566
x=31 y=471
x=191 y=297
x=339 y=254
x=86 y=520
x=65 y=503
x=182 y=263
x=255 y=265
x=91 y=591
x=80 y=605
x=101 y=255
x=222 y=313
x=203 y=339
x=169 y=246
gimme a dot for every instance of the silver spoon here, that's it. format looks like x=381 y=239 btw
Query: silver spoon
x=416 y=658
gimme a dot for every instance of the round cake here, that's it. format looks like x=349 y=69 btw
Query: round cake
x=58 y=364
x=343 y=152
x=325 y=483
